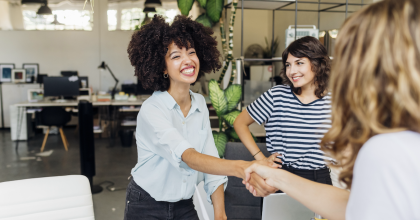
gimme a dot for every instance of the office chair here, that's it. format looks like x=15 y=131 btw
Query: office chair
x=59 y=197
x=55 y=116
x=239 y=203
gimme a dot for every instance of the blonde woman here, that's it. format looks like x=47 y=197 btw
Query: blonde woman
x=375 y=85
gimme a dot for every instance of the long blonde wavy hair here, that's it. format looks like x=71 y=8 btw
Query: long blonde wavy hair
x=375 y=79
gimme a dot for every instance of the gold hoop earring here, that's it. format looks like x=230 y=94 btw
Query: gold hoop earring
x=165 y=76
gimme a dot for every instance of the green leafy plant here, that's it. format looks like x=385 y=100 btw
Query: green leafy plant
x=270 y=50
x=225 y=103
x=213 y=9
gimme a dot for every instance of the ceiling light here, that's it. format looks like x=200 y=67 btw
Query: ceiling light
x=147 y=10
x=152 y=3
x=44 y=10
x=32 y=2
x=55 y=22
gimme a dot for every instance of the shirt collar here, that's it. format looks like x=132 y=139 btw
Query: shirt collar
x=171 y=103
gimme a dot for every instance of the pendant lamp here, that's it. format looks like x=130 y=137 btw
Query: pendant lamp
x=152 y=3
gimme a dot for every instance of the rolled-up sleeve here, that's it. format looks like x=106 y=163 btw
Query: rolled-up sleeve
x=212 y=182
x=164 y=139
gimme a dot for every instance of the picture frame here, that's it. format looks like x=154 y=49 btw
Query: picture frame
x=18 y=75
x=6 y=72
x=35 y=95
x=32 y=70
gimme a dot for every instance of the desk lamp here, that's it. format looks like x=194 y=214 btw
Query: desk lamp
x=104 y=66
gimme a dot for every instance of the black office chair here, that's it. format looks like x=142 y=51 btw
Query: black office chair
x=55 y=116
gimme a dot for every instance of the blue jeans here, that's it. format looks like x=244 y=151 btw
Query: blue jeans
x=140 y=205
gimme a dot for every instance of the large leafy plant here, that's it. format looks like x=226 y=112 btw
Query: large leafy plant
x=213 y=9
x=225 y=103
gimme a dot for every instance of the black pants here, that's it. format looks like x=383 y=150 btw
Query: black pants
x=319 y=176
x=140 y=205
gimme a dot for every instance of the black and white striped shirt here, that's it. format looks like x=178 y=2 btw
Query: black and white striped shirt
x=293 y=129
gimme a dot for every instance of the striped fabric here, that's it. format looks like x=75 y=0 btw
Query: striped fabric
x=293 y=129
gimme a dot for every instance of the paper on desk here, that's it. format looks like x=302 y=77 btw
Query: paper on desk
x=203 y=208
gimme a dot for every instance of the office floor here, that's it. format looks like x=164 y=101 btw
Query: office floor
x=113 y=163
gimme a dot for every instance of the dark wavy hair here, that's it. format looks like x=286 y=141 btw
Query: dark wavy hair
x=149 y=45
x=312 y=49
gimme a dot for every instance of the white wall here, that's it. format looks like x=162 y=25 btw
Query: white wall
x=72 y=50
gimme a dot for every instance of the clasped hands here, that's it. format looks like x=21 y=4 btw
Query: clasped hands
x=257 y=176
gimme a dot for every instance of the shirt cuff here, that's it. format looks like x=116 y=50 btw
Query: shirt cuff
x=179 y=150
x=212 y=186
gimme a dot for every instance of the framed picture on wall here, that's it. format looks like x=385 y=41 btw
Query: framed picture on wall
x=18 y=75
x=6 y=72
x=32 y=70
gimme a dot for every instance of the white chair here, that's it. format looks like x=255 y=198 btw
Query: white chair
x=62 y=197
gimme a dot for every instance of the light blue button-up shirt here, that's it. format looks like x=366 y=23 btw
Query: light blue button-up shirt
x=162 y=135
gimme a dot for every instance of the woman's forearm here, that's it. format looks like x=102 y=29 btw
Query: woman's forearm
x=218 y=199
x=241 y=126
x=212 y=165
x=326 y=200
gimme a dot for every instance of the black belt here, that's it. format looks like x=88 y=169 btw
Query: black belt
x=324 y=170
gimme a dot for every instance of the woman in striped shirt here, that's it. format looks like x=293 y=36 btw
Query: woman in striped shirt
x=296 y=115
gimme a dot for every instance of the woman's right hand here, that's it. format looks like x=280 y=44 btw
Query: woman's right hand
x=264 y=172
x=271 y=159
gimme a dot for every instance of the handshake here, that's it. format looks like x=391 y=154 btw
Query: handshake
x=259 y=175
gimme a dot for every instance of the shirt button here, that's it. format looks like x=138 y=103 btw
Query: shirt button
x=185 y=181
x=183 y=122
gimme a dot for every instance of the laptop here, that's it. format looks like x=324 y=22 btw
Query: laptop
x=280 y=206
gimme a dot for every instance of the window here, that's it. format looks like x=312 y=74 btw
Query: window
x=60 y=20
x=130 y=16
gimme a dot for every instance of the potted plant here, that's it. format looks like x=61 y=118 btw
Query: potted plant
x=225 y=103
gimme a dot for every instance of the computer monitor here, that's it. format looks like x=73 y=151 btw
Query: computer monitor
x=69 y=73
x=40 y=78
x=84 y=81
x=129 y=88
x=61 y=86
x=141 y=90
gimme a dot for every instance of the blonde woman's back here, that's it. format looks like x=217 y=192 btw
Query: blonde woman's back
x=386 y=181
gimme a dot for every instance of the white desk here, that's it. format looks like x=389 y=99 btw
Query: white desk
x=18 y=125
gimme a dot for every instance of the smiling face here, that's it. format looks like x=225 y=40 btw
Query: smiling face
x=299 y=71
x=182 y=65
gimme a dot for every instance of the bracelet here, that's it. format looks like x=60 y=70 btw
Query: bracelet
x=256 y=153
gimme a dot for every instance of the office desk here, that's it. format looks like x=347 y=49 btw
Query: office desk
x=18 y=124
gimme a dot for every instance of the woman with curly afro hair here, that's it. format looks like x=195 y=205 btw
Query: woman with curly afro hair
x=176 y=150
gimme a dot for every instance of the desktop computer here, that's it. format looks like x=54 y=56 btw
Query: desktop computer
x=61 y=86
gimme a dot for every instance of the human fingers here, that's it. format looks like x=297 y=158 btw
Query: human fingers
x=253 y=185
x=249 y=170
x=261 y=188
x=273 y=156
x=250 y=188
